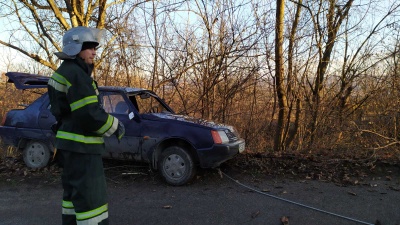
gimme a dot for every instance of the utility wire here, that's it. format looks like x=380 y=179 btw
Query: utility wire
x=293 y=202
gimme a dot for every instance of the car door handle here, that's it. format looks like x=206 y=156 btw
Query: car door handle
x=44 y=116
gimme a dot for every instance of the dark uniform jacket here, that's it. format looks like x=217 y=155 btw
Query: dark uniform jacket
x=75 y=103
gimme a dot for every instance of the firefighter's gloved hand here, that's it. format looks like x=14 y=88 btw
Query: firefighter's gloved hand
x=120 y=132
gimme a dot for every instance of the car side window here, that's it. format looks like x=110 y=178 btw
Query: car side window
x=115 y=103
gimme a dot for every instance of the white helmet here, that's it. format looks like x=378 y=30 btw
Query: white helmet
x=74 y=38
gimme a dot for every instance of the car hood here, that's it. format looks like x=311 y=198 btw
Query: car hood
x=193 y=120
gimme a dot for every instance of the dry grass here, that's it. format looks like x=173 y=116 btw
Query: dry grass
x=8 y=151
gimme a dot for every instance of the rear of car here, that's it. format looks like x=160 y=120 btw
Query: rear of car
x=23 y=128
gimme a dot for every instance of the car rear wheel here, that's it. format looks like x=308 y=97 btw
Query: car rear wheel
x=176 y=166
x=36 y=154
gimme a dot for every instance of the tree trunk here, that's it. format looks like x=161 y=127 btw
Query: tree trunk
x=279 y=77
x=291 y=79
x=335 y=18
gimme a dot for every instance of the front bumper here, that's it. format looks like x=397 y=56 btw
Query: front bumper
x=213 y=157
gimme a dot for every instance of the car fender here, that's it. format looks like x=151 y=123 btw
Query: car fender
x=24 y=141
x=156 y=150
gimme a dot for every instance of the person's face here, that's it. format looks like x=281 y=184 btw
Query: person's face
x=88 y=55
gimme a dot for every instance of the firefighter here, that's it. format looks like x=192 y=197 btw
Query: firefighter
x=81 y=125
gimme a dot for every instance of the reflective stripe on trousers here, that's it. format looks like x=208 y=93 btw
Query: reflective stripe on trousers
x=68 y=208
x=93 y=221
x=92 y=217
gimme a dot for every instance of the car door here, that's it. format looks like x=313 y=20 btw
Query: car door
x=118 y=105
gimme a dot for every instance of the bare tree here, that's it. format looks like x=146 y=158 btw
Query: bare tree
x=35 y=27
x=287 y=75
x=215 y=63
x=294 y=100
x=334 y=18
x=279 y=76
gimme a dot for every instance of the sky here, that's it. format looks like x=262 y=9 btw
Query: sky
x=9 y=56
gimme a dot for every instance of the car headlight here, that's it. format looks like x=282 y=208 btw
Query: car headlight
x=219 y=137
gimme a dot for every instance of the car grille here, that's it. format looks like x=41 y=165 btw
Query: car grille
x=231 y=136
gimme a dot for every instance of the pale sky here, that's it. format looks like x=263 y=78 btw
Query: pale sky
x=9 y=56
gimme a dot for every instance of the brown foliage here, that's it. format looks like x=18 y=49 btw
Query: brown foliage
x=338 y=97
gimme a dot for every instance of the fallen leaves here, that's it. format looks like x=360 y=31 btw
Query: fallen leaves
x=394 y=188
x=255 y=214
x=284 y=220
x=11 y=166
x=351 y=193
x=341 y=170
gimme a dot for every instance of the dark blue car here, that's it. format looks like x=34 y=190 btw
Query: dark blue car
x=173 y=144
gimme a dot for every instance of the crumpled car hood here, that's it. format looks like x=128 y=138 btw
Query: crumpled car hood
x=190 y=119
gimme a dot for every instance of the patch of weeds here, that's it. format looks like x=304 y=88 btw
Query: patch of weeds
x=8 y=151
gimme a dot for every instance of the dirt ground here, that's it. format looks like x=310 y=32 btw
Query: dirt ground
x=250 y=189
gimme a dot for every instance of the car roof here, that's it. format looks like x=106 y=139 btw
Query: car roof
x=28 y=80
x=124 y=89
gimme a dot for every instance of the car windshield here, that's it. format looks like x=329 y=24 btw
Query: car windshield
x=147 y=103
x=144 y=102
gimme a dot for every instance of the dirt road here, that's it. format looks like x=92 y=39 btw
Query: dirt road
x=141 y=197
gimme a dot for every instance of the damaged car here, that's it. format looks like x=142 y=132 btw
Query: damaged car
x=175 y=145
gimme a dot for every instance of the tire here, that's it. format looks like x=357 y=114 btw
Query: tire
x=36 y=154
x=176 y=166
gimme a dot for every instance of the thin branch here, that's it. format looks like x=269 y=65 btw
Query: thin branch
x=30 y=55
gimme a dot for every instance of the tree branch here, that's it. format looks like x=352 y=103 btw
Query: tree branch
x=58 y=14
x=35 y=57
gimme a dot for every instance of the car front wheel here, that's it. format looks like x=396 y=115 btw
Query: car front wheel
x=36 y=154
x=176 y=166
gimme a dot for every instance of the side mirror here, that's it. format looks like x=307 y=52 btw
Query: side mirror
x=145 y=96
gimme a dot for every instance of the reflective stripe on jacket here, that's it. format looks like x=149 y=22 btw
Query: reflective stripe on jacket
x=75 y=102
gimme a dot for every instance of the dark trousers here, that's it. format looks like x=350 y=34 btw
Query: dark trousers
x=85 y=196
